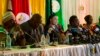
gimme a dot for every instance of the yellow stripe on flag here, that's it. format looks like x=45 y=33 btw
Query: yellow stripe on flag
x=38 y=6
x=3 y=4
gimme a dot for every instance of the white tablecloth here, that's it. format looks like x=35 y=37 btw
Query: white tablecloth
x=60 y=50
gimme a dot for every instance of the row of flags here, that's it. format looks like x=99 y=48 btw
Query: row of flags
x=21 y=9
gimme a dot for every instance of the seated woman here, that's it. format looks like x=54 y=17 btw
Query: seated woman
x=54 y=29
x=33 y=29
x=89 y=24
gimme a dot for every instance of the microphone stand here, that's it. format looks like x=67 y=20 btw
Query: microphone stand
x=21 y=36
x=36 y=41
x=31 y=37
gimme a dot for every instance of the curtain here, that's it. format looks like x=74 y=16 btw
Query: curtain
x=81 y=8
x=3 y=4
x=38 y=6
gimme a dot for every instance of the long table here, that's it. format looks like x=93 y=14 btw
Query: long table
x=60 y=50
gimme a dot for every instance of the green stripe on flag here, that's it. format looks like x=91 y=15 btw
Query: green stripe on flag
x=49 y=11
x=59 y=13
x=48 y=8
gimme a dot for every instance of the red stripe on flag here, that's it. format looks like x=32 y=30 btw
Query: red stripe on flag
x=20 y=6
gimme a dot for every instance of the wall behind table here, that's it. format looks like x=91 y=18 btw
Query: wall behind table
x=81 y=8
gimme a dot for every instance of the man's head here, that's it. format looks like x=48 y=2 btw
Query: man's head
x=53 y=19
x=35 y=20
x=74 y=21
x=88 y=19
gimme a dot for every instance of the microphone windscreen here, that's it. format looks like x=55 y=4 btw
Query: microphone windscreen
x=74 y=31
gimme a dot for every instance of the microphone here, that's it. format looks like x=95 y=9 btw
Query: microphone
x=86 y=31
x=19 y=37
x=75 y=32
x=97 y=34
x=81 y=35
x=97 y=30
x=30 y=36
x=34 y=45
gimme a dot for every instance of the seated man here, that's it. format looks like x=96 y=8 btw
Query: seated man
x=33 y=29
x=74 y=30
x=98 y=24
x=54 y=29
x=90 y=27
x=89 y=24
x=74 y=23
x=97 y=31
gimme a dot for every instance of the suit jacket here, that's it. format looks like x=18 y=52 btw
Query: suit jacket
x=32 y=35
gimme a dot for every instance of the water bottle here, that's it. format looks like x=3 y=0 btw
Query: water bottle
x=47 y=39
x=68 y=35
x=43 y=41
x=8 y=42
x=70 y=39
